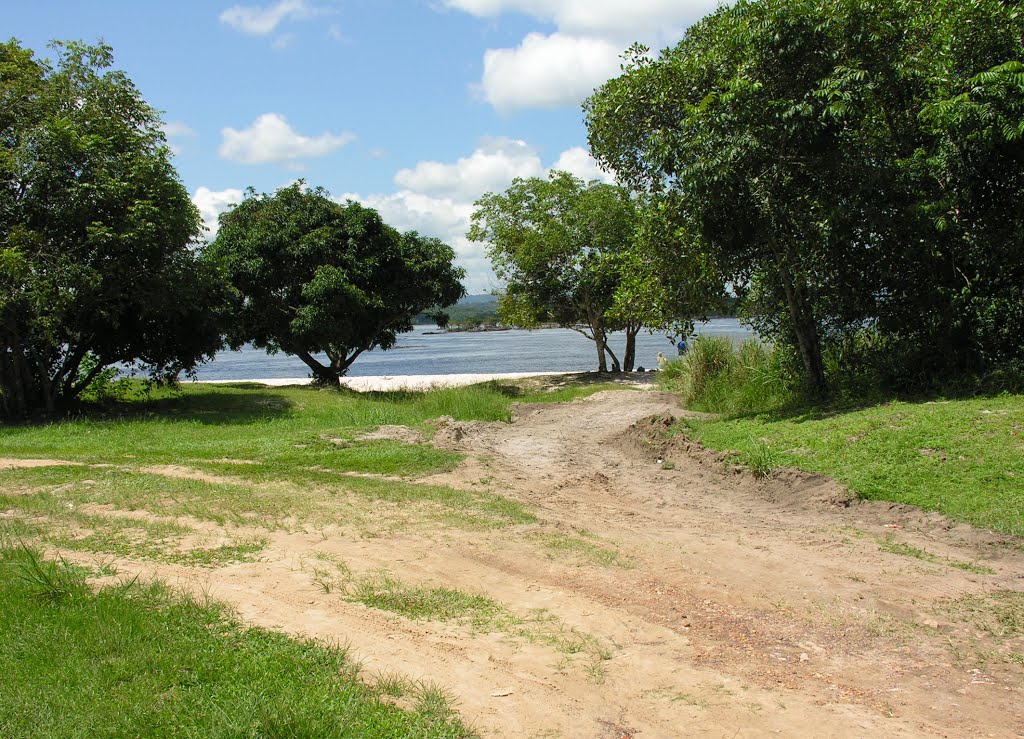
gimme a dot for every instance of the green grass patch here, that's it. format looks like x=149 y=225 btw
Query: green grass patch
x=718 y=376
x=584 y=549
x=287 y=426
x=128 y=537
x=428 y=603
x=384 y=591
x=140 y=661
x=273 y=457
x=963 y=458
x=890 y=545
x=250 y=494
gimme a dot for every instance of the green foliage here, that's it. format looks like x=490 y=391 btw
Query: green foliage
x=573 y=254
x=844 y=165
x=95 y=234
x=560 y=246
x=717 y=376
x=663 y=284
x=313 y=276
x=133 y=660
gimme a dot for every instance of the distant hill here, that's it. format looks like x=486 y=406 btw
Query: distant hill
x=472 y=309
x=483 y=299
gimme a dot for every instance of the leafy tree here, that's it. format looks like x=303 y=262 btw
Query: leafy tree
x=95 y=234
x=316 y=277
x=559 y=245
x=823 y=156
x=954 y=300
x=663 y=285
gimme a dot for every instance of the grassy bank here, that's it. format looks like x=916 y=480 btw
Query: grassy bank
x=134 y=660
x=963 y=457
x=250 y=457
x=203 y=478
x=282 y=427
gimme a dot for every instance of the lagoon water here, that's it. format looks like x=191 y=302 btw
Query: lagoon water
x=424 y=352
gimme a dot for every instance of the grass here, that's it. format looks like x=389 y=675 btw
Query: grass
x=144 y=479
x=52 y=501
x=248 y=457
x=265 y=451
x=584 y=549
x=962 y=457
x=140 y=661
x=384 y=591
x=718 y=376
x=999 y=614
x=278 y=427
x=890 y=545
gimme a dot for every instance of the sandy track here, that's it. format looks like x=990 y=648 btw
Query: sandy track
x=752 y=608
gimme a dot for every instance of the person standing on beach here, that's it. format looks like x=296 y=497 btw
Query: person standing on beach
x=681 y=346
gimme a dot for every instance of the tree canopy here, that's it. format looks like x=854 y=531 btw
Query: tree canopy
x=96 y=233
x=313 y=277
x=558 y=245
x=589 y=256
x=845 y=164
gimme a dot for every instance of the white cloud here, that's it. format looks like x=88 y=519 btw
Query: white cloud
x=579 y=162
x=436 y=198
x=562 y=68
x=490 y=167
x=623 y=20
x=260 y=20
x=211 y=203
x=413 y=211
x=271 y=139
x=441 y=217
x=547 y=71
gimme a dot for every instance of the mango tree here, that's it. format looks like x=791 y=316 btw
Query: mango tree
x=316 y=277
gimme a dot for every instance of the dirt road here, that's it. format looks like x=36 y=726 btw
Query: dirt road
x=694 y=600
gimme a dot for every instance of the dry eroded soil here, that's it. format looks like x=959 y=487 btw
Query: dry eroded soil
x=678 y=597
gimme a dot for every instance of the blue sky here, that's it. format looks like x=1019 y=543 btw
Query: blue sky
x=414 y=107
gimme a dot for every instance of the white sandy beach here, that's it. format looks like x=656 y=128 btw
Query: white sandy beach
x=400 y=382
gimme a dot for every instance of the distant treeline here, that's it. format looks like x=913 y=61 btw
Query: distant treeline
x=474 y=311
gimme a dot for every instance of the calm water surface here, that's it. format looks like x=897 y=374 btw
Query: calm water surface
x=421 y=352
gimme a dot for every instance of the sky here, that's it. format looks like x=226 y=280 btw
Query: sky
x=413 y=107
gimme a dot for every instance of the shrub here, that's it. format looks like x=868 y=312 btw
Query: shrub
x=721 y=377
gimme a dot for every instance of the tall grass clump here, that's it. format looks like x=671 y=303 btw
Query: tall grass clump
x=721 y=377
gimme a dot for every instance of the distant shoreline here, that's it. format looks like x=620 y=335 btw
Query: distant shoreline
x=381 y=383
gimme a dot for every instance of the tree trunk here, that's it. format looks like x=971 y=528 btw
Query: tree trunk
x=599 y=337
x=323 y=376
x=615 y=360
x=341 y=362
x=629 y=358
x=805 y=331
x=602 y=365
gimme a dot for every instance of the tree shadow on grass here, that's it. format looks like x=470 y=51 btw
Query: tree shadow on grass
x=216 y=407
